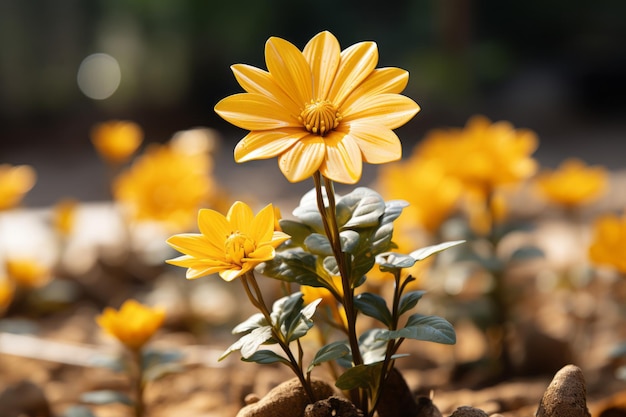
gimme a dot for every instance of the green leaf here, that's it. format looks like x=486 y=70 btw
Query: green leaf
x=298 y=231
x=151 y=358
x=114 y=363
x=105 y=397
x=424 y=253
x=308 y=211
x=265 y=357
x=160 y=370
x=329 y=352
x=253 y=322
x=330 y=265
x=349 y=240
x=375 y=306
x=293 y=265
x=409 y=300
x=78 y=411
x=365 y=205
x=373 y=348
x=360 y=376
x=393 y=209
x=318 y=244
x=249 y=343
x=526 y=253
x=391 y=261
x=291 y=318
x=427 y=328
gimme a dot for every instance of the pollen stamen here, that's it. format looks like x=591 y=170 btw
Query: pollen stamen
x=320 y=117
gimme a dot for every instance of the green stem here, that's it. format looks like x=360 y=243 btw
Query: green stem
x=139 y=383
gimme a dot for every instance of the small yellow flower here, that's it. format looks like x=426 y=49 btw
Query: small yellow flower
x=230 y=245
x=27 y=272
x=608 y=244
x=319 y=109
x=15 y=182
x=166 y=185
x=133 y=325
x=337 y=312
x=573 y=183
x=116 y=140
x=7 y=290
x=432 y=194
x=483 y=155
x=484 y=215
x=64 y=216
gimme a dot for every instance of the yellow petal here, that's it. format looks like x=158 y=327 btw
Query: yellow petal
x=343 y=159
x=378 y=144
x=323 y=54
x=289 y=68
x=380 y=81
x=255 y=80
x=214 y=226
x=231 y=274
x=303 y=158
x=240 y=216
x=193 y=273
x=262 y=225
x=192 y=244
x=267 y=143
x=357 y=63
x=263 y=253
x=255 y=112
x=389 y=110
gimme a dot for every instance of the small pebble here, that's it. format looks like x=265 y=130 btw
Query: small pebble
x=566 y=396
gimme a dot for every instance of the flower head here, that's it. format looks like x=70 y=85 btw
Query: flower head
x=28 y=272
x=133 y=324
x=319 y=109
x=7 y=290
x=573 y=183
x=15 y=182
x=230 y=245
x=167 y=185
x=116 y=140
x=609 y=242
x=483 y=155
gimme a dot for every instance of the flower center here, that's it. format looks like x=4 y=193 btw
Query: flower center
x=320 y=117
x=237 y=247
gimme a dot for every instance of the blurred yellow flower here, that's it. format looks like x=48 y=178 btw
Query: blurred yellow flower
x=230 y=245
x=337 y=312
x=133 y=325
x=64 y=216
x=608 y=244
x=432 y=194
x=15 y=182
x=27 y=272
x=166 y=185
x=484 y=215
x=116 y=140
x=7 y=289
x=573 y=183
x=319 y=109
x=483 y=155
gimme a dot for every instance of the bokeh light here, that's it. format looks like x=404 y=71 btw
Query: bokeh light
x=99 y=76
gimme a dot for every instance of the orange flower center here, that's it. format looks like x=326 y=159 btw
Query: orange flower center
x=237 y=247
x=320 y=117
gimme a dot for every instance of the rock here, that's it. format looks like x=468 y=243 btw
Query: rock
x=286 y=399
x=566 y=396
x=24 y=399
x=331 y=407
x=396 y=399
x=467 y=411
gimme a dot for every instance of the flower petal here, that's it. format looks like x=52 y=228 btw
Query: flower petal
x=388 y=110
x=381 y=81
x=266 y=144
x=289 y=68
x=262 y=226
x=195 y=245
x=240 y=216
x=262 y=253
x=255 y=80
x=255 y=112
x=213 y=225
x=231 y=274
x=378 y=144
x=357 y=63
x=303 y=158
x=343 y=159
x=323 y=54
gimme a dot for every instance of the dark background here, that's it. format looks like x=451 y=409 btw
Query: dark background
x=557 y=67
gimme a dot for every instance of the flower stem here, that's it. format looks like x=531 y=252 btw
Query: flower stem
x=139 y=386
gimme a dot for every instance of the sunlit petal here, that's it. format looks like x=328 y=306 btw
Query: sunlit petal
x=213 y=224
x=323 y=53
x=378 y=144
x=343 y=159
x=303 y=158
x=380 y=81
x=240 y=216
x=289 y=68
x=264 y=252
x=255 y=112
x=267 y=144
x=389 y=110
x=262 y=226
x=357 y=62
x=231 y=274
x=255 y=80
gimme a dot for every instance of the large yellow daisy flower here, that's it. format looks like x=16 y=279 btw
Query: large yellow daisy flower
x=230 y=245
x=319 y=109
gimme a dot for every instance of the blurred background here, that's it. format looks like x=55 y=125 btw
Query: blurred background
x=556 y=67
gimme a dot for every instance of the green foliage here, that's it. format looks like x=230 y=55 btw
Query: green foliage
x=105 y=397
x=360 y=376
x=375 y=306
x=329 y=352
x=427 y=328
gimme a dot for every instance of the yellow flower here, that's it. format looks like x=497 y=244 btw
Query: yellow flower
x=337 y=312
x=27 y=273
x=320 y=109
x=133 y=325
x=116 y=140
x=7 y=289
x=483 y=155
x=608 y=244
x=15 y=182
x=432 y=194
x=573 y=183
x=64 y=216
x=166 y=185
x=230 y=245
